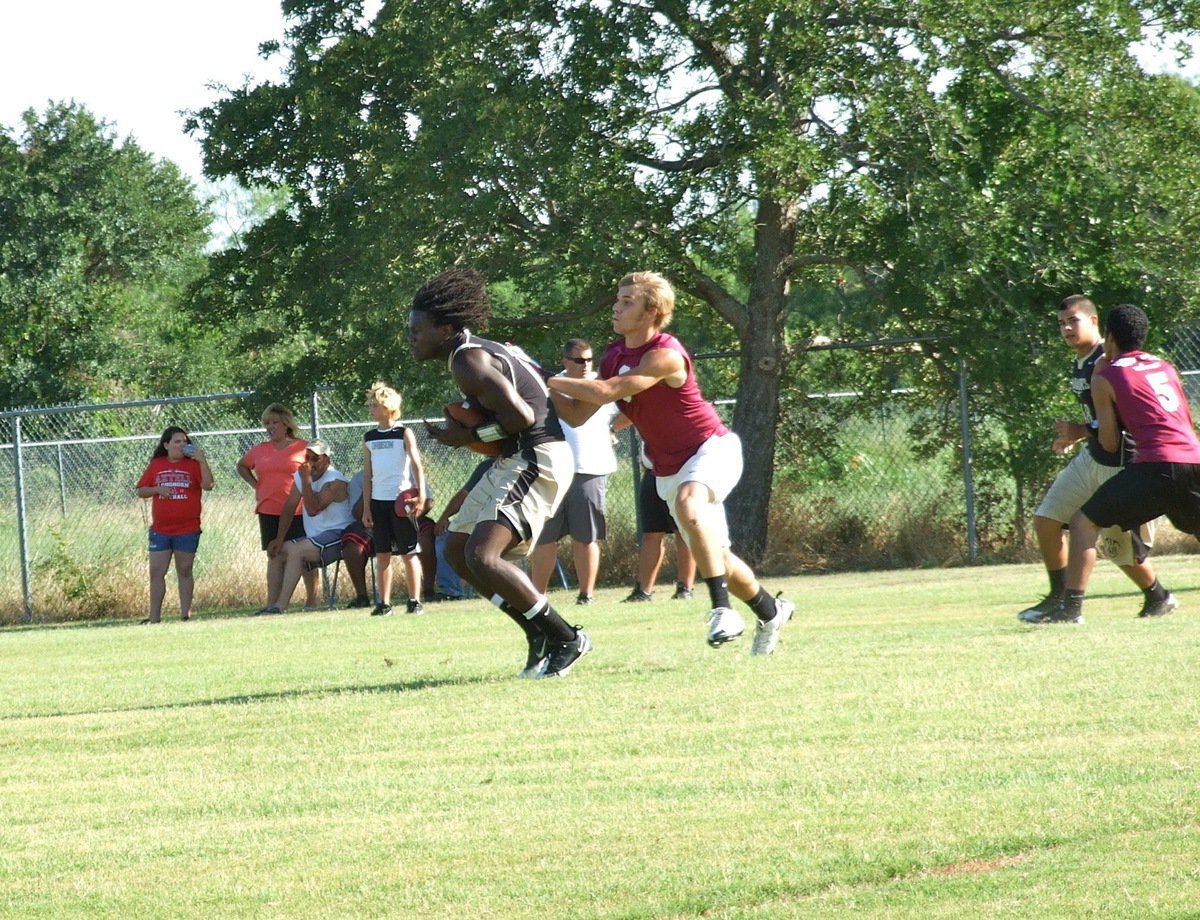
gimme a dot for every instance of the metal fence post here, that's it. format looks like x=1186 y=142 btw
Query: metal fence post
x=22 y=531
x=968 y=479
x=312 y=406
x=62 y=482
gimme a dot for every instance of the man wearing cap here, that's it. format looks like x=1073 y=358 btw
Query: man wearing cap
x=323 y=495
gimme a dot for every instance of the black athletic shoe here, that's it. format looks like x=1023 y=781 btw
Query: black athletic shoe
x=535 y=661
x=1159 y=608
x=414 y=607
x=564 y=655
x=1044 y=611
x=584 y=600
x=359 y=603
x=682 y=592
x=638 y=596
x=382 y=610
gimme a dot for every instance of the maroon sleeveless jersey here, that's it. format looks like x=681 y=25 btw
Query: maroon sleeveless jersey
x=673 y=422
x=1153 y=408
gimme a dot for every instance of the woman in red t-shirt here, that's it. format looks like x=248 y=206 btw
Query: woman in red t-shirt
x=177 y=472
x=268 y=467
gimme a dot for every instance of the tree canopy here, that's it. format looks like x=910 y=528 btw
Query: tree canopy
x=959 y=165
x=98 y=241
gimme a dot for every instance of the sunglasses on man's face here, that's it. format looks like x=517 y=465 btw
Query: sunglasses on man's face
x=583 y=359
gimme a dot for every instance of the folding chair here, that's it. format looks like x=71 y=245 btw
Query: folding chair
x=332 y=555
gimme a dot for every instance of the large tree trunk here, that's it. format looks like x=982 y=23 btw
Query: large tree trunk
x=755 y=419
x=764 y=354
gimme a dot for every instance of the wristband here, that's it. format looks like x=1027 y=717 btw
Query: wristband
x=490 y=432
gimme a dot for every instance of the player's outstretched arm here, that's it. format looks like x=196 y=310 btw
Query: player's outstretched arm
x=659 y=364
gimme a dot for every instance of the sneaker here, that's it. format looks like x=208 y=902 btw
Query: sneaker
x=584 y=600
x=564 y=655
x=1043 y=611
x=638 y=596
x=382 y=610
x=766 y=634
x=358 y=603
x=1159 y=608
x=414 y=607
x=724 y=625
x=682 y=592
x=267 y=611
x=535 y=661
x=1061 y=617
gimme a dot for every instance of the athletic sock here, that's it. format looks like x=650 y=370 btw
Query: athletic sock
x=528 y=626
x=1058 y=581
x=718 y=591
x=546 y=619
x=763 y=605
x=1156 y=592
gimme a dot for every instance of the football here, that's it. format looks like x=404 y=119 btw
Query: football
x=470 y=417
x=406 y=502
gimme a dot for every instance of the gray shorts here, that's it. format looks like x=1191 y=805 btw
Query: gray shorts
x=581 y=514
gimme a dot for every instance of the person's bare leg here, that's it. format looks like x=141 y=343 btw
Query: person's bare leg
x=160 y=562
x=184 y=565
x=587 y=565
x=541 y=565
x=685 y=564
x=274 y=578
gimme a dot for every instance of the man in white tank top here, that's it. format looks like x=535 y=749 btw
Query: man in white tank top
x=322 y=493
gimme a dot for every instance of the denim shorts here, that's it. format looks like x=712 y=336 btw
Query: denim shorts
x=180 y=543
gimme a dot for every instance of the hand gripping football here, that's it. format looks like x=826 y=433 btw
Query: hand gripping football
x=469 y=416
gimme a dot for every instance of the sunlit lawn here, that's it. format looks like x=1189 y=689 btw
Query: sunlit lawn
x=910 y=751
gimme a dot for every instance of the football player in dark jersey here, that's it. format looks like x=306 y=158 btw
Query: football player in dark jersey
x=505 y=512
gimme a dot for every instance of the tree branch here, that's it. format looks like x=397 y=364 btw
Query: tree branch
x=708 y=289
x=696 y=164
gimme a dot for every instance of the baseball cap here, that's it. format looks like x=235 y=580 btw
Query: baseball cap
x=319 y=447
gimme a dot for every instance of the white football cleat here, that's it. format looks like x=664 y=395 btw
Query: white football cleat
x=724 y=625
x=766 y=634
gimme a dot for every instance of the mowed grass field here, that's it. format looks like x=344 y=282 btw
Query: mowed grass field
x=910 y=751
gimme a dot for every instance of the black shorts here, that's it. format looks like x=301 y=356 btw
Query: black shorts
x=656 y=516
x=268 y=527
x=392 y=533
x=1143 y=491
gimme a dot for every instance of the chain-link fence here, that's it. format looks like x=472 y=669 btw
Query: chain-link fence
x=73 y=533
x=876 y=476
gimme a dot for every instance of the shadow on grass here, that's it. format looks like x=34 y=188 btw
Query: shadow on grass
x=410 y=686
x=235 y=613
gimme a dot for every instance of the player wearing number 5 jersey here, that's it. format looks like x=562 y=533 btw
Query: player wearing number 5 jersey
x=1141 y=393
x=1090 y=468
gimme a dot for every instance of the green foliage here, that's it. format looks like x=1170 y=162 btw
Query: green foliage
x=81 y=586
x=97 y=241
x=941 y=169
